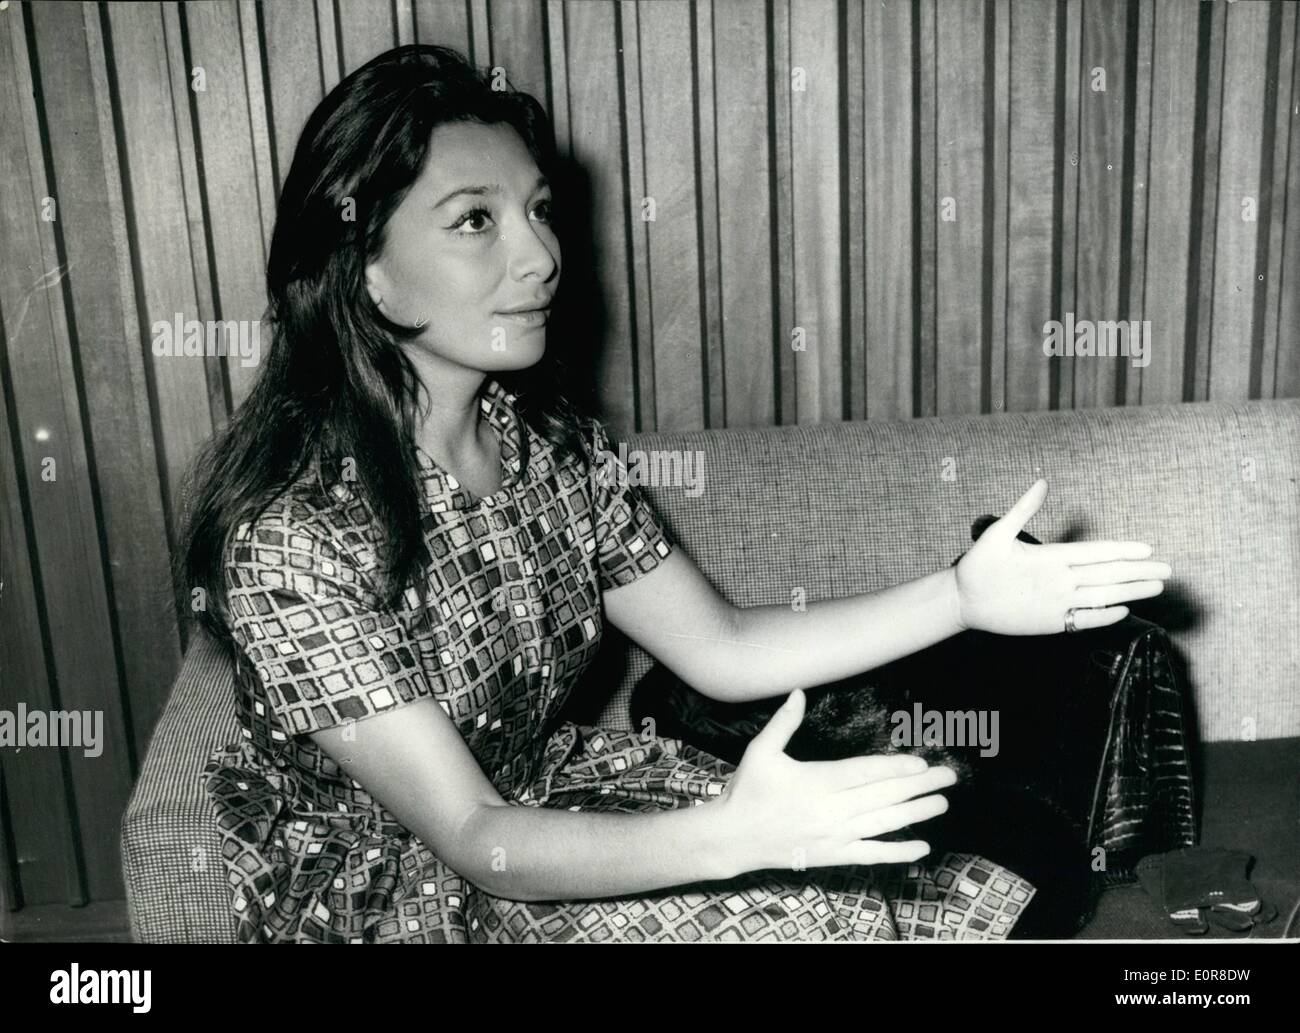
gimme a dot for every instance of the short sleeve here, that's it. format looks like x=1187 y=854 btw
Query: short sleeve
x=631 y=539
x=324 y=652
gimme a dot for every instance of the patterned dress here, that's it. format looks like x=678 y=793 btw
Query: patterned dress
x=514 y=618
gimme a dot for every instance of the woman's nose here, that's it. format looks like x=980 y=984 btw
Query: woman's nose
x=530 y=253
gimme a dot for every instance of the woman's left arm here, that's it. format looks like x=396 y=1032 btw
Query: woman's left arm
x=1001 y=585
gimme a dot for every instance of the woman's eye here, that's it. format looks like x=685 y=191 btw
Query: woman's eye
x=474 y=215
x=543 y=209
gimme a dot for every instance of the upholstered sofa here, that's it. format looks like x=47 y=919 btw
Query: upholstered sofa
x=845 y=508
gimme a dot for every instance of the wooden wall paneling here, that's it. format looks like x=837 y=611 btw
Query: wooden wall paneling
x=480 y=32
x=815 y=173
x=444 y=22
x=1071 y=73
x=668 y=117
x=404 y=21
x=998 y=207
x=853 y=162
x=1196 y=370
x=1170 y=202
x=601 y=134
x=1287 y=381
x=1032 y=198
x=366 y=29
x=1286 y=122
x=295 y=78
x=557 y=69
x=1241 y=200
x=63 y=519
x=636 y=190
x=1137 y=175
x=106 y=331
x=1101 y=189
x=163 y=252
x=742 y=114
x=327 y=29
x=224 y=133
x=519 y=46
x=709 y=137
x=925 y=355
x=34 y=790
x=252 y=45
x=182 y=72
x=960 y=185
x=783 y=230
x=888 y=271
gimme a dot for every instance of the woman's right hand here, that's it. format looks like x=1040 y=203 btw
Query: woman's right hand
x=784 y=813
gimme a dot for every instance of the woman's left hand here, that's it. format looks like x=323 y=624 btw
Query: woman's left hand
x=1010 y=587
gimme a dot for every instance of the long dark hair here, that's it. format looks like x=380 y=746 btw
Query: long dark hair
x=335 y=384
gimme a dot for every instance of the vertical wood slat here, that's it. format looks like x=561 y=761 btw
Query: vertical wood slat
x=1071 y=75
x=1286 y=124
x=226 y=135
x=518 y=38
x=744 y=201
x=444 y=22
x=927 y=287
x=366 y=28
x=710 y=281
x=1101 y=182
x=962 y=296
x=599 y=118
x=1032 y=199
x=815 y=174
x=997 y=167
x=1196 y=371
x=119 y=435
x=889 y=219
x=63 y=517
x=1286 y=383
x=164 y=252
x=667 y=103
x=782 y=209
x=33 y=787
x=1169 y=199
x=296 y=82
x=1241 y=180
x=1133 y=285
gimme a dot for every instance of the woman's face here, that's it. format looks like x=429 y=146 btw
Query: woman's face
x=470 y=242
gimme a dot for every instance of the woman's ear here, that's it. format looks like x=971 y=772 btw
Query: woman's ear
x=374 y=283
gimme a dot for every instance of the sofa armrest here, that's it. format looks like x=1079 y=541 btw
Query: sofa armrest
x=171 y=853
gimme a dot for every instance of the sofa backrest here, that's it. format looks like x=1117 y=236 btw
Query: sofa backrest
x=843 y=508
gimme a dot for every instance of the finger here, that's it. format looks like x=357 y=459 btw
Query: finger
x=868 y=851
x=872 y=797
x=1077 y=553
x=1018 y=515
x=782 y=725
x=1120 y=571
x=1086 y=619
x=1113 y=595
x=891 y=819
x=859 y=771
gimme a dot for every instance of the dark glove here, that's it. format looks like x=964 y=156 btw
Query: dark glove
x=1197 y=886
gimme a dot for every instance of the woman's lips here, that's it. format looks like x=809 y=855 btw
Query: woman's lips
x=533 y=317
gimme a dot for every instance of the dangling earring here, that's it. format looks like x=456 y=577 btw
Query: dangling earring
x=420 y=322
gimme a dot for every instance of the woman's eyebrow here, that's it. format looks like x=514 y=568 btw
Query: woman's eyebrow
x=490 y=188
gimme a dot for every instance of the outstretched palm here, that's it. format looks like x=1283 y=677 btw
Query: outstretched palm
x=1010 y=587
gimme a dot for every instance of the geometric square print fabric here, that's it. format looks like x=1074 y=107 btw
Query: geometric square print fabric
x=510 y=619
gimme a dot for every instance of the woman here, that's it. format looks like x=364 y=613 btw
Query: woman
x=407 y=541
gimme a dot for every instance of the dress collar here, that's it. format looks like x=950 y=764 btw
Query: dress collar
x=441 y=489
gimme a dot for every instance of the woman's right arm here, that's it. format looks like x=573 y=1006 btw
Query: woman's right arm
x=776 y=813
